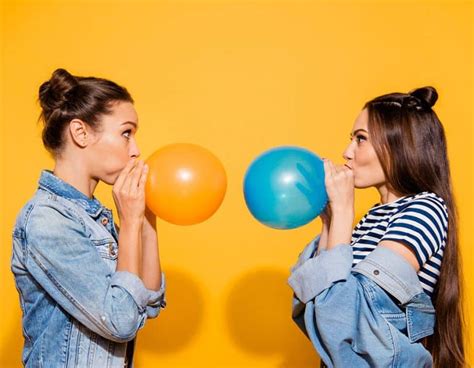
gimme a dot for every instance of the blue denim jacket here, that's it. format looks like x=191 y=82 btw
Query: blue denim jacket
x=77 y=310
x=373 y=315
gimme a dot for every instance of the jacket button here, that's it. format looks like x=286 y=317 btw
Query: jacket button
x=376 y=272
x=105 y=220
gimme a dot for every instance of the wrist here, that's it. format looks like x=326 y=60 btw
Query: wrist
x=343 y=213
x=135 y=223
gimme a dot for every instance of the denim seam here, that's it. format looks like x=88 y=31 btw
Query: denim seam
x=68 y=331
x=78 y=345
x=383 y=284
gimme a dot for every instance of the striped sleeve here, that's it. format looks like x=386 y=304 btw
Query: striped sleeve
x=421 y=225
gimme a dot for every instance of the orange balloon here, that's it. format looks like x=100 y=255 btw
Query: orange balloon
x=186 y=183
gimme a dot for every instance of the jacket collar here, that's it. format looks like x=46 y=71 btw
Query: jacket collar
x=48 y=181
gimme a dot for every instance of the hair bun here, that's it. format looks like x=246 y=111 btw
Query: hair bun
x=427 y=95
x=53 y=93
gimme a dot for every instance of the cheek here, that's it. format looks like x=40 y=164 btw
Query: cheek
x=367 y=169
x=113 y=153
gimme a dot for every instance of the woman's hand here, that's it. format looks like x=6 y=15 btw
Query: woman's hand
x=129 y=192
x=339 y=181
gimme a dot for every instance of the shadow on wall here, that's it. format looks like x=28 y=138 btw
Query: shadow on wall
x=258 y=313
x=11 y=350
x=185 y=302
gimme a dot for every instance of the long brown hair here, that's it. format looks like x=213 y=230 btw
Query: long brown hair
x=410 y=143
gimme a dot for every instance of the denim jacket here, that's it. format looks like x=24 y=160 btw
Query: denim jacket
x=77 y=310
x=373 y=315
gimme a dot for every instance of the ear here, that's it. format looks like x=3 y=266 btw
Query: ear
x=80 y=132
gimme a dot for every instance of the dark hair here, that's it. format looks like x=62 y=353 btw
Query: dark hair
x=410 y=143
x=66 y=97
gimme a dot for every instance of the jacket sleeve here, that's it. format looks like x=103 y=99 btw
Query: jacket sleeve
x=333 y=307
x=62 y=259
x=318 y=273
x=298 y=307
x=157 y=299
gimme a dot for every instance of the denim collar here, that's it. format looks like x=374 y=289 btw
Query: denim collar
x=55 y=185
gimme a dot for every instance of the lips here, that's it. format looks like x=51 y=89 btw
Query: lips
x=346 y=165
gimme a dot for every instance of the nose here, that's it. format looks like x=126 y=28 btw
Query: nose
x=134 y=152
x=348 y=153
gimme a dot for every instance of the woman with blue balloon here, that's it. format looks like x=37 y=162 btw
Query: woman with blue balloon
x=386 y=293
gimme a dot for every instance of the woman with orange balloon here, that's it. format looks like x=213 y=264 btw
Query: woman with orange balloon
x=83 y=300
x=76 y=289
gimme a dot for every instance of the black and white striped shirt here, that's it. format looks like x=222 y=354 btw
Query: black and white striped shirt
x=419 y=221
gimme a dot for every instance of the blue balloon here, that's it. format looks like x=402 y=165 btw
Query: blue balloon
x=284 y=187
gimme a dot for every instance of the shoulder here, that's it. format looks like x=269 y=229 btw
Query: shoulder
x=425 y=204
x=50 y=213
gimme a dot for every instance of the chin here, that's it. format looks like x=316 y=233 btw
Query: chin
x=362 y=185
x=110 y=179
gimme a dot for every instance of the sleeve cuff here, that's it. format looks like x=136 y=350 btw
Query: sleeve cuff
x=320 y=272
x=157 y=297
x=307 y=253
x=133 y=285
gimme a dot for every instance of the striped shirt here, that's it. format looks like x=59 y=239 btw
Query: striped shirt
x=418 y=221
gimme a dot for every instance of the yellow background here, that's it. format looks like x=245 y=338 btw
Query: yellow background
x=237 y=77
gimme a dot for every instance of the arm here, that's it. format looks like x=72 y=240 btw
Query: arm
x=138 y=238
x=61 y=257
x=152 y=276
x=151 y=268
x=129 y=197
x=317 y=274
x=339 y=182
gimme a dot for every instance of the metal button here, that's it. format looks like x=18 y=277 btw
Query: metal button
x=105 y=220
x=112 y=251
x=376 y=272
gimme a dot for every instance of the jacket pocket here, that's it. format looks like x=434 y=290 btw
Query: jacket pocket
x=107 y=248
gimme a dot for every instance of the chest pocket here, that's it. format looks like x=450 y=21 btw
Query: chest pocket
x=107 y=248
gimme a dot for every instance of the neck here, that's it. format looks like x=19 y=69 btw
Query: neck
x=387 y=196
x=74 y=173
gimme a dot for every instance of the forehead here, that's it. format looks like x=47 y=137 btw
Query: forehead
x=121 y=112
x=361 y=122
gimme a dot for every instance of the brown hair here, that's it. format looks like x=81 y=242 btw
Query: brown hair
x=410 y=143
x=66 y=97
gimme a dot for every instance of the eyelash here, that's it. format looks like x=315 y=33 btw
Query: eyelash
x=359 y=138
x=128 y=132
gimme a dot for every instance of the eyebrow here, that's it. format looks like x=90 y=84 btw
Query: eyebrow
x=357 y=131
x=130 y=122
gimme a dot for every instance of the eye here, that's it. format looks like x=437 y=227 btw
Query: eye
x=360 y=138
x=127 y=133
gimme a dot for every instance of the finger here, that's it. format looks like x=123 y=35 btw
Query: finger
x=135 y=176
x=128 y=178
x=339 y=168
x=332 y=168
x=143 y=177
x=327 y=169
x=123 y=174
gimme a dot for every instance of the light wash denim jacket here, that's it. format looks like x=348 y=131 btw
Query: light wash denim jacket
x=372 y=315
x=77 y=310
